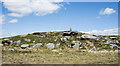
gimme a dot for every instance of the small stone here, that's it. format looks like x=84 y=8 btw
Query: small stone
x=57 y=45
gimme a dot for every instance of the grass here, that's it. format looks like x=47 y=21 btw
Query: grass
x=67 y=56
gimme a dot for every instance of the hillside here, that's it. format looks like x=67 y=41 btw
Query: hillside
x=62 y=40
x=61 y=47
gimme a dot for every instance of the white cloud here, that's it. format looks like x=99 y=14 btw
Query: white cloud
x=105 y=32
x=25 y=7
x=107 y=11
x=15 y=15
x=2 y=18
x=13 y=21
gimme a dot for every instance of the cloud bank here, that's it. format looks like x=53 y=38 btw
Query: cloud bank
x=13 y=21
x=105 y=32
x=21 y=8
x=107 y=11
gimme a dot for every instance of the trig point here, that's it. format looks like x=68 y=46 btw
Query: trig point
x=70 y=29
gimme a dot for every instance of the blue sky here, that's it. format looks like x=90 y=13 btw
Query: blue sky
x=80 y=16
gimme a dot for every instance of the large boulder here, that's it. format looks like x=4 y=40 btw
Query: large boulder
x=50 y=46
x=7 y=42
x=76 y=44
x=70 y=33
x=88 y=37
x=37 y=45
x=24 y=46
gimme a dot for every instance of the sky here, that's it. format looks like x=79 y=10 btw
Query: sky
x=17 y=18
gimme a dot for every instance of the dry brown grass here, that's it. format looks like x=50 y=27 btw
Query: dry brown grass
x=59 y=57
x=23 y=35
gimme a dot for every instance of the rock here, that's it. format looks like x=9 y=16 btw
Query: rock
x=88 y=37
x=108 y=42
x=24 y=46
x=11 y=49
x=50 y=46
x=40 y=33
x=55 y=50
x=28 y=40
x=76 y=44
x=7 y=42
x=17 y=42
x=61 y=54
x=114 y=45
x=55 y=40
x=57 y=45
x=33 y=41
x=113 y=38
x=67 y=37
x=69 y=33
x=63 y=39
x=106 y=38
x=34 y=46
x=38 y=45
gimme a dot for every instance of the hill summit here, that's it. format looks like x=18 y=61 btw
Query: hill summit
x=62 y=39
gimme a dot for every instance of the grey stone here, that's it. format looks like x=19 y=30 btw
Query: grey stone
x=50 y=46
x=108 y=42
x=57 y=45
x=38 y=45
x=88 y=37
x=28 y=40
x=24 y=46
x=113 y=45
x=106 y=38
x=7 y=42
x=76 y=44
x=11 y=49
x=33 y=41
x=113 y=38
